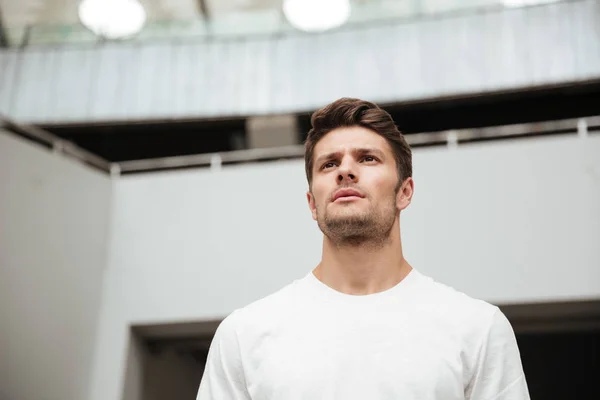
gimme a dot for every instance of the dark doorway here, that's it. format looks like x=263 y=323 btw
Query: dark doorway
x=562 y=365
x=560 y=348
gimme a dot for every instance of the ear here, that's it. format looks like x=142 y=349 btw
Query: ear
x=311 y=204
x=405 y=194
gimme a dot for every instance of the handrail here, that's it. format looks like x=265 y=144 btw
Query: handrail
x=451 y=138
x=56 y=143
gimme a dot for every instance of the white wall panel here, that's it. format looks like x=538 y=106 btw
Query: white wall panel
x=509 y=49
x=463 y=46
x=551 y=47
x=108 y=87
x=72 y=96
x=164 y=90
x=501 y=221
x=295 y=69
x=261 y=88
x=341 y=60
x=406 y=61
x=146 y=60
x=455 y=54
x=185 y=76
x=586 y=26
x=212 y=96
x=54 y=218
x=230 y=62
x=8 y=62
x=33 y=85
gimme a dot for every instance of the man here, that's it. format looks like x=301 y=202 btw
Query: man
x=363 y=324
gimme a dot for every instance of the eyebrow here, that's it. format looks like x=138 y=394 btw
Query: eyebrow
x=356 y=151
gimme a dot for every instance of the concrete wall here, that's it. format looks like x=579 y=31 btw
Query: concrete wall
x=508 y=222
x=54 y=217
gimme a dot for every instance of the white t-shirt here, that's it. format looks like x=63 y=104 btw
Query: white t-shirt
x=420 y=340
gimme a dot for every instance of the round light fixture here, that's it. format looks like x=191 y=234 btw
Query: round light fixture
x=112 y=19
x=316 y=15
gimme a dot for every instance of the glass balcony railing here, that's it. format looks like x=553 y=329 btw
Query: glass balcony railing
x=258 y=22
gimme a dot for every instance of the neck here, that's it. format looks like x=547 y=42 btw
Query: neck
x=365 y=268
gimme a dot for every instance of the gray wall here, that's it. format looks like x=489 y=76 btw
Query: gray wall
x=509 y=222
x=454 y=54
x=54 y=217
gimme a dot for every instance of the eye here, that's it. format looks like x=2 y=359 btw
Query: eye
x=329 y=164
x=369 y=158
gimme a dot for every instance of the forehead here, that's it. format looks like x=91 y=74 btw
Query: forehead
x=347 y=138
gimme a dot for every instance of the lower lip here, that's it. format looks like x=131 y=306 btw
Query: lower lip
x=346 y=198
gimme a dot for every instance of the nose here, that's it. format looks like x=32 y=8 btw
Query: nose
x=346 y=172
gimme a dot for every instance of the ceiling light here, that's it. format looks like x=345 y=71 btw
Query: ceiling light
x=316 y=15
x=112 y=19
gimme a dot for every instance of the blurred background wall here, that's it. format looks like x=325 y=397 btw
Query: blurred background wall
x=150 y=185
x=54 y=219
x=489 y=221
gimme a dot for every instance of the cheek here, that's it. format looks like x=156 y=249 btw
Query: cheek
x=382 y=186
x=320 y=193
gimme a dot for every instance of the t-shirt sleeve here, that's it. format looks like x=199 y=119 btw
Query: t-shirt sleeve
x=498 y=373
x=223 y=376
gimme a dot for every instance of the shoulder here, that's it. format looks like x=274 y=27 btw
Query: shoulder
x=262 y=313
x=446 y=300
x=478 y=328
x=449 y=309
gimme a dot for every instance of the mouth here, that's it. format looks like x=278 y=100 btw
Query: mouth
x=345 y=199
x=346 y=195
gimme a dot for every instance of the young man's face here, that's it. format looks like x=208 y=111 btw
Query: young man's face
x=355 y=194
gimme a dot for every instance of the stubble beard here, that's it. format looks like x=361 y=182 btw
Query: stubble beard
x=369 y=229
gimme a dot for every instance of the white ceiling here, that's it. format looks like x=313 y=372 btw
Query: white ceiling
x=32 y=12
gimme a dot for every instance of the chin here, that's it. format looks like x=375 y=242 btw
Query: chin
x=347 y=215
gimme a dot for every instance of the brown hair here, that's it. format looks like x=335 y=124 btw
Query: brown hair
x=347 y=112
